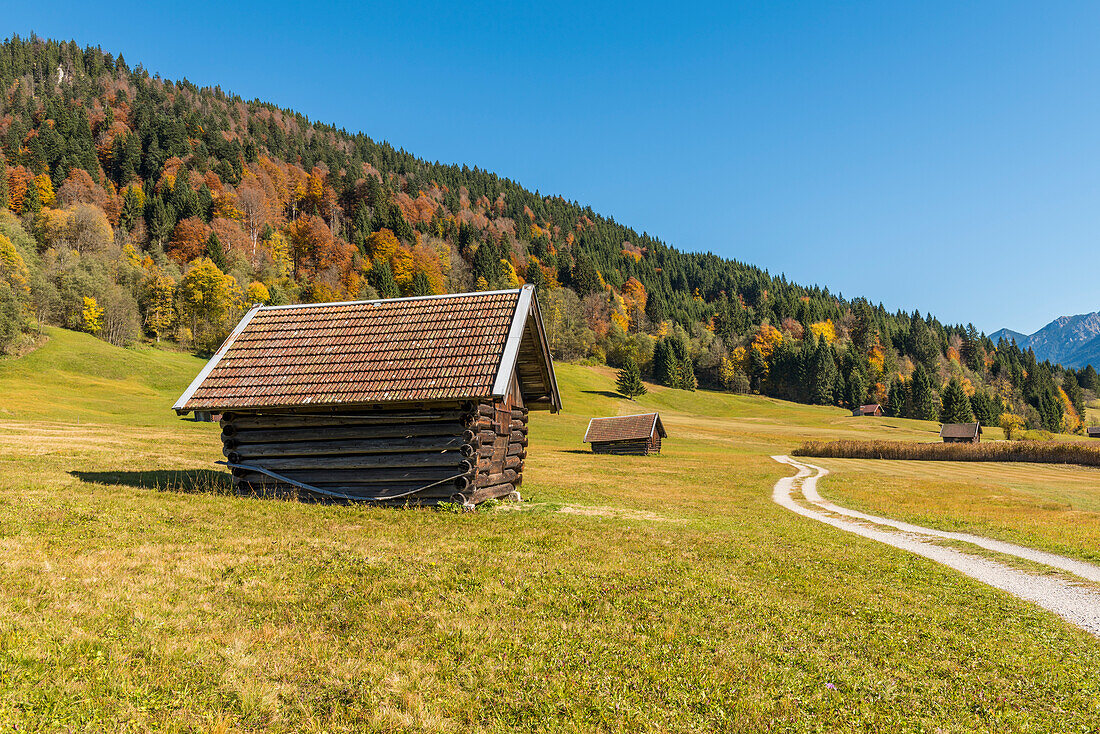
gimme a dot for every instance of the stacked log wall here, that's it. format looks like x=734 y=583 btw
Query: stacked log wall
x=502 y=449
x=465 y=453
x=634 y=447
x=364 y=453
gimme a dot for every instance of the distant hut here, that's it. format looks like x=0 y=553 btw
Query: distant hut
x=874 y=409
x=416 y=400
x=1093 y=431
x=626 y=434
x=961 y=433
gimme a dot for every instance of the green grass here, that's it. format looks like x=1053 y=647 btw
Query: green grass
x=631 y=594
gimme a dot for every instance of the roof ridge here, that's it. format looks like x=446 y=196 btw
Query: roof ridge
x=395 y=300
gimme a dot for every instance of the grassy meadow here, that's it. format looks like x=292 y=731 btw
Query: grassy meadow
x=659 y=594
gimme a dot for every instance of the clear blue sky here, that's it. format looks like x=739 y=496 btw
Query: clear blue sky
x=935 y=155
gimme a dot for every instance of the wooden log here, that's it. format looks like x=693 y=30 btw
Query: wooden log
x=369 y=461
x=487 y=409
x=519 y=414
x=493 y=491
x=486 y=437
x=486 y=480
x=516 y=449
x=377 y=475
x=340 y=448
x=518 y=426
x=519 y=437
x=314 y=433
x=513 y=462
x=308 y=420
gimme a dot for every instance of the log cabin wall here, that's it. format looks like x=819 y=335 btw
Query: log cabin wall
x=635 y=447
x=467 y=452
x=385 y=452
x=502 y=436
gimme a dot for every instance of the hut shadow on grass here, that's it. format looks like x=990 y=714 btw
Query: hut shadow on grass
x=605 y=393
x=183 y=481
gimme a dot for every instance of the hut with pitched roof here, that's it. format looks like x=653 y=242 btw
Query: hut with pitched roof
x=405 y=400
x=961 y=433
x=626 y=434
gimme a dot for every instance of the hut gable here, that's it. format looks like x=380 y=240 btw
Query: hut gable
x=961 y=432
x=626 y=434
x=418 y=400
x=465 y=346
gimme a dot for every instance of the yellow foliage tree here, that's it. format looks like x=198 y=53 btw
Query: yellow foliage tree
x=209 y=299
x=46 y=195
x=13 y=269
x=257 y=293
x=92 y=316
x=824 y=328
x=767 y=339
x=280 y=253
x=1011 y=424
x=508 y=274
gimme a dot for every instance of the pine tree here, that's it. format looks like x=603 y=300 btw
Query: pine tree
x=956 y=405
x=922 y=396
x=216 y=252
x=381 y=277
x=897 y=406
x=630 y=379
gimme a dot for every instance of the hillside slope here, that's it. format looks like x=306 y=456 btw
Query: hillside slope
x=135 y=208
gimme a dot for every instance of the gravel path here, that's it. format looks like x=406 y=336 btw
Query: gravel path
x=1072 y=602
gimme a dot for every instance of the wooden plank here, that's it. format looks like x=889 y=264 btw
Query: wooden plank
x=393 y=461
x=491 y=492
x=340 y=448
x=306 y=420
x=314 y=433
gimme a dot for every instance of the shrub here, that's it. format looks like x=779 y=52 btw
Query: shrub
x=1040 y=452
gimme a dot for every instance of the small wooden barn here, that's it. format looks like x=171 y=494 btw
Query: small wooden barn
x=418 y=400
x=626 y=434
x=1093 y=431
x=961 y=433
x=874 y=409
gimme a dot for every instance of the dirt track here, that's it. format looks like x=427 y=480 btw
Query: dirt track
x=1073 y=602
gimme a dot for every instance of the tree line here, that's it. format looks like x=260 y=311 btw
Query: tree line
x=138 y=208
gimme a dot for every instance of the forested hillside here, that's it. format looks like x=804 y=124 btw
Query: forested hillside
x=136 y=208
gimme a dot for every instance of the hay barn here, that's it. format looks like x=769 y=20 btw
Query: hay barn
x=406 y=400
x=626 y=434
x=961 y=433
x=873 y=410
x=1093 y=431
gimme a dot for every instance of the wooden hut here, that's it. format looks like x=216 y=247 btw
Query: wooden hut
x=1093 y=431
x=961 y=433
x=874 y=410
x=626 y=434
x=417 y=400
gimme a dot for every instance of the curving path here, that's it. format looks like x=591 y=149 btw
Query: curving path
x=1072 y=602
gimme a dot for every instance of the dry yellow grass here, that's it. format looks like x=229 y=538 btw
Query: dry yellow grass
x=676 y=597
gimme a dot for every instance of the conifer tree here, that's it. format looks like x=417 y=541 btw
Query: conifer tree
x=216 y=252
x=897 y=406
x=381 y=277
x=630 y=379
x=922 y=397
x=956 y=404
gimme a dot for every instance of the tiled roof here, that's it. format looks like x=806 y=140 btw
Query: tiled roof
x=960 y=430
x=623 y=428
x=869 y=408
x=407 y=349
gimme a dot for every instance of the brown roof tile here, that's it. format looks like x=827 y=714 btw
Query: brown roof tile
x=960 y=430
x=623 y=428
x=363 y=352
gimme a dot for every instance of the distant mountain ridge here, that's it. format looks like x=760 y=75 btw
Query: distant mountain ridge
x=1073 y=341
